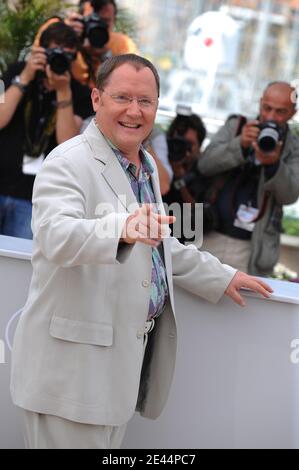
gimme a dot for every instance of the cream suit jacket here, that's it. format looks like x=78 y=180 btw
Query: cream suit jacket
x=78 y=347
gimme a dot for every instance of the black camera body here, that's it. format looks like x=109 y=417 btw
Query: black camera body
x=270 y=134
x=178 y=148
x=96 y=30
x=59 y=60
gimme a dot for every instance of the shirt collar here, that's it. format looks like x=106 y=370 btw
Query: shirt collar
x=125 y=163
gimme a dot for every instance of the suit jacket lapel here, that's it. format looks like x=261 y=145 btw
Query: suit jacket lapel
x=113 y=173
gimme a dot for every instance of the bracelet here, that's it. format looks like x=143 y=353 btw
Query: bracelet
x=64 y=104
x=16 y=81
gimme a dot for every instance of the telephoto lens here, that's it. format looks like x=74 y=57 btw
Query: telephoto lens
x=96 y=30
x=270 y=134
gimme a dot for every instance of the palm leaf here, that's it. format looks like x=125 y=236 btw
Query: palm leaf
x=19 y=25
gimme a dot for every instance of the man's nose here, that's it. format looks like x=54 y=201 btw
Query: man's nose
x=133 y=107
x=271 y=115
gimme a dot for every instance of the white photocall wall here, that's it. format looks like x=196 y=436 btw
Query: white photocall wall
x=236 y=382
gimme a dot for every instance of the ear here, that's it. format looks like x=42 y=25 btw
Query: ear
x=96 y=99
x=292 y=113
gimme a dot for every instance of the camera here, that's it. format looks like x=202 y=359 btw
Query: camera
x=59 y=60
x=96 y=30
x=178 y=147
x=270 y=134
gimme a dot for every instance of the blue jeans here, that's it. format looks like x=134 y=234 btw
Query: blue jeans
x=15 y=217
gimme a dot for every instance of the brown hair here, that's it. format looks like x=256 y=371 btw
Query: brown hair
x=59 y=33
x=113 y=63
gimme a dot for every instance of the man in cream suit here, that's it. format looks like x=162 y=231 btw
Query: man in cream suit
x=97 y=338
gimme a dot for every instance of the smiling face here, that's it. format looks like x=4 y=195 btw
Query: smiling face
x=126 y=125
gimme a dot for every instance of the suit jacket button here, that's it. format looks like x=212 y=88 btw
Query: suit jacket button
x=145 y=283
x=139 y=334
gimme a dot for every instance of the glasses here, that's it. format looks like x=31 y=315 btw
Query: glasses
x=126 y=100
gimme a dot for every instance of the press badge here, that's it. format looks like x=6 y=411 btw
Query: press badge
x=245 y=217
x=32 y=165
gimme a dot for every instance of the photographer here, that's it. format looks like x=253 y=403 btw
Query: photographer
x=43 y=107
x=256 y=164
x=185 y=137
x=94 y=25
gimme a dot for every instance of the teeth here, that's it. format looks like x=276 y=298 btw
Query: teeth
x=133 y=126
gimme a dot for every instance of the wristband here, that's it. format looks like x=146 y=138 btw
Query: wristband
x=179 y=183
x=64 y=104
x=16 y=81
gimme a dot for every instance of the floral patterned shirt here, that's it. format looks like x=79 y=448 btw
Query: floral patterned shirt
x=143 y=190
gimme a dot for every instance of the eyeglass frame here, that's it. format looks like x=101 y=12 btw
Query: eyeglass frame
x=130 y=99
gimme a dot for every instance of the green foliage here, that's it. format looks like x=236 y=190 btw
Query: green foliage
x=290 y=225
x=294 y=126
x=19 y=24
x=126 y=23
x=21 y=19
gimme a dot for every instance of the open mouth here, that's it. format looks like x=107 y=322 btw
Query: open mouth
x=129 y=126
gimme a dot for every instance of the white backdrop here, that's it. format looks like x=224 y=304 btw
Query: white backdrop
x=234 y=385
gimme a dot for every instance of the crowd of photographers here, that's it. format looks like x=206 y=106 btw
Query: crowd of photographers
x=249 y=170
x=243 y=178
x=255 y=167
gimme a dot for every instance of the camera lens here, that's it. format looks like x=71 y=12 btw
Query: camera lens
x=98 y=36
x=58 y=60
x=96 y=30
x=59 y=64
x=268 y=137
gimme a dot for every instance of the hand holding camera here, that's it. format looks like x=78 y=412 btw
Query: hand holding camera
x=58 y=82
x=75 y=21
x=91 y=27
x=266 y=138
x=178 y=169
x=36 y=62
x=269 y=142
x=249 y=134
x=52 y=61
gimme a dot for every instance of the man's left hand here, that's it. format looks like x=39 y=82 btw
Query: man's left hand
x=178 y=169
x=243 y=280
x=268 y=158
